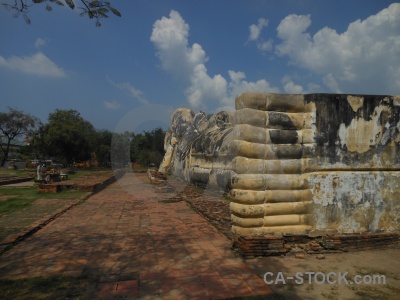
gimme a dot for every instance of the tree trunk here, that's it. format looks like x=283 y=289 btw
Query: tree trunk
x=3 y=161
x=5 y=153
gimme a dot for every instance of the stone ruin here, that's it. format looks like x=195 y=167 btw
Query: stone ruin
x=299 y=168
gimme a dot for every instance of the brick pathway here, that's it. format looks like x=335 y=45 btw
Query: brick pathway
x=138 y=247
x=17 y=223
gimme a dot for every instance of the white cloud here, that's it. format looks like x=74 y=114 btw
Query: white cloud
x=331 y=83
x=111 y=104
x=203 y=87
x=313 y=88
x=265 y=46
x=255 y=29
x=238 y=84
x=292 y=88
x=254 y=36
x=133 y=92
x=37 y=64
x=170 y=37
x=363 y=59
x=39 y=43
x=293 y=26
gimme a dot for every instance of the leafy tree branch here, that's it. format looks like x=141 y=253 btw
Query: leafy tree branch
x=96 y=10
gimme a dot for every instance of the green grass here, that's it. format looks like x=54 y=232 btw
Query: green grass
x=84 y=172
x=56 y=287
x=227 y=197
x=78 y=173
x=25 y=196
x=20 y=173
x=138 y=169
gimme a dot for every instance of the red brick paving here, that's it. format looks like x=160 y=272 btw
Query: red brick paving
x=138 y=247
x=18 y=223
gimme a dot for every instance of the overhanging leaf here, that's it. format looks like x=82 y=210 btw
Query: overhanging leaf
x=57 y=2
x=103 y=10
x=100 y=14
x=70 y=3
x=26 y=19
x=115 y=12
x=94 y=3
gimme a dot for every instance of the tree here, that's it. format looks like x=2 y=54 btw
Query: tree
x=102 y=143
x=13 y=124
x=158 y=140
x=68 y=136
x=148 y=147
x=93 y=9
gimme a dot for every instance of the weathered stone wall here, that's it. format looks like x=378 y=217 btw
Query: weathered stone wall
x=312 y=164
x=316 y=164
x=198 y=148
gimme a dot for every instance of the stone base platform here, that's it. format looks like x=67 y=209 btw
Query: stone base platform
x=250 y=247
x=92 y=185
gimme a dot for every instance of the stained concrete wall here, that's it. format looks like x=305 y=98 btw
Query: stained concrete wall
x=308 y=164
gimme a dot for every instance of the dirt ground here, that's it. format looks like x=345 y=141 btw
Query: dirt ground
x=377 y=270
x=366 y=264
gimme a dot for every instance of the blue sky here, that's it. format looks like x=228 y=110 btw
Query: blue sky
x=133 y=71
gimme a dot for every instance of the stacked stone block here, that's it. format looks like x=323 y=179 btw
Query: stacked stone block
x=274 y=139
